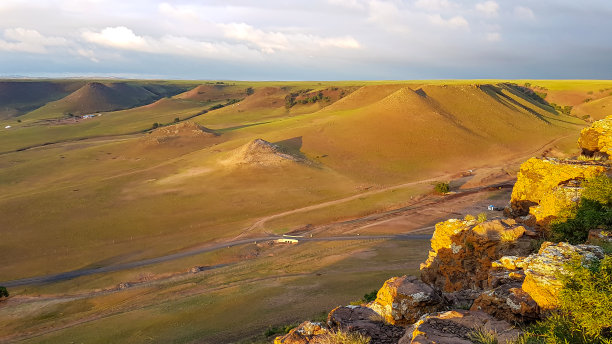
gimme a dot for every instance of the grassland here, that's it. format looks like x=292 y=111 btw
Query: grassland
x=101 y=192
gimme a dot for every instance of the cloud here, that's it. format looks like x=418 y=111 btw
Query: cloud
x=118 y=37
x=178 y=12
x=88 y=54
x=493 y=37
x=488 y=8
x=350 y=4
x=270 y=41
x=28 y=41
x=434 y=5
x=456 y=22
x=524 y=13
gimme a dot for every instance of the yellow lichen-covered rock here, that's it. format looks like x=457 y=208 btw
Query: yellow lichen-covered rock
x=365 y=321
x=455 y=327
x=403 y=300
x=597 y=138
x=462 y=252
x=306 y=332
x=556 y=204
x=508 y=302
x=538 y=178
x=542 y=270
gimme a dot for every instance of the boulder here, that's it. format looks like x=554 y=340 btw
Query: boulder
x=508 y=302
x=538 y=178
x=462 y=252
x=403 y=300
x=455 y=327
x=597 y=139
x=462 y=299
x=365 y=321
x=556 y=204
x=542 y=270
x=306 y=332
x=598 y=236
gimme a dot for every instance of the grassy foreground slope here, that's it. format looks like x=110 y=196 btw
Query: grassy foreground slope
x=120 y=199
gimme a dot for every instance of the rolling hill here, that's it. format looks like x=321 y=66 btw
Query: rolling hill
x=20 y=97
x=102 y=97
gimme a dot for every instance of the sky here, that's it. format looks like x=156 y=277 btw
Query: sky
x=307 y=40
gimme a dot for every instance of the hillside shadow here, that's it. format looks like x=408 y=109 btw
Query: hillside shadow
x=497 y=94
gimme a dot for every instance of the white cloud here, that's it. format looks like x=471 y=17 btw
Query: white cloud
x=29 y=41
x=434 y=5
x=118 y=37
x=456 y=22
x=350 y=4
x=270 y=42
x=493 y=37
x=178 y=12
x=488 y=8
x=88 y=54
x=388 y=16
x=524 y=12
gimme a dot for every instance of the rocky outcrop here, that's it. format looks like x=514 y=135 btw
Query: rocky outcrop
x=183 y=130
x=508 y=302
x=455 y=327
x=542 y=270
x=462 y=252
x=544 y=186
x=307 y=332
x=597 y=139
x=365 y=321
x=403 y=300
x=261 y=153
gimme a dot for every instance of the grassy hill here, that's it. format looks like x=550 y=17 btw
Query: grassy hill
x=102 y=97
x=107 y=190
x=21 y=96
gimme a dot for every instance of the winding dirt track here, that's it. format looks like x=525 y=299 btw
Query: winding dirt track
x=45 y=279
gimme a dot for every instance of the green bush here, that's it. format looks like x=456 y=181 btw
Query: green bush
x=3 y=292
x=442 y=187
x=585 y=312
x=369 y=297
x=594 y=211
x=587 y=296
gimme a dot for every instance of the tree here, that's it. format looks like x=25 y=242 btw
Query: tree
x=442 y=188
x=3 y=292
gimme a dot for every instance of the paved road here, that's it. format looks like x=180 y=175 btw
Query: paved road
x=45 y=279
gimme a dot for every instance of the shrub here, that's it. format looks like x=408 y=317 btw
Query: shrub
x=593 y=211
x=249 y=91
x=587 y=296
x=482 y=217
x=156 y=125
x=341 y=337
x=279 y=330
x=585 y=312
x=369 y=297
x=442 y=187
x=3 y=292
x=176 y=120
x=483 y=336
